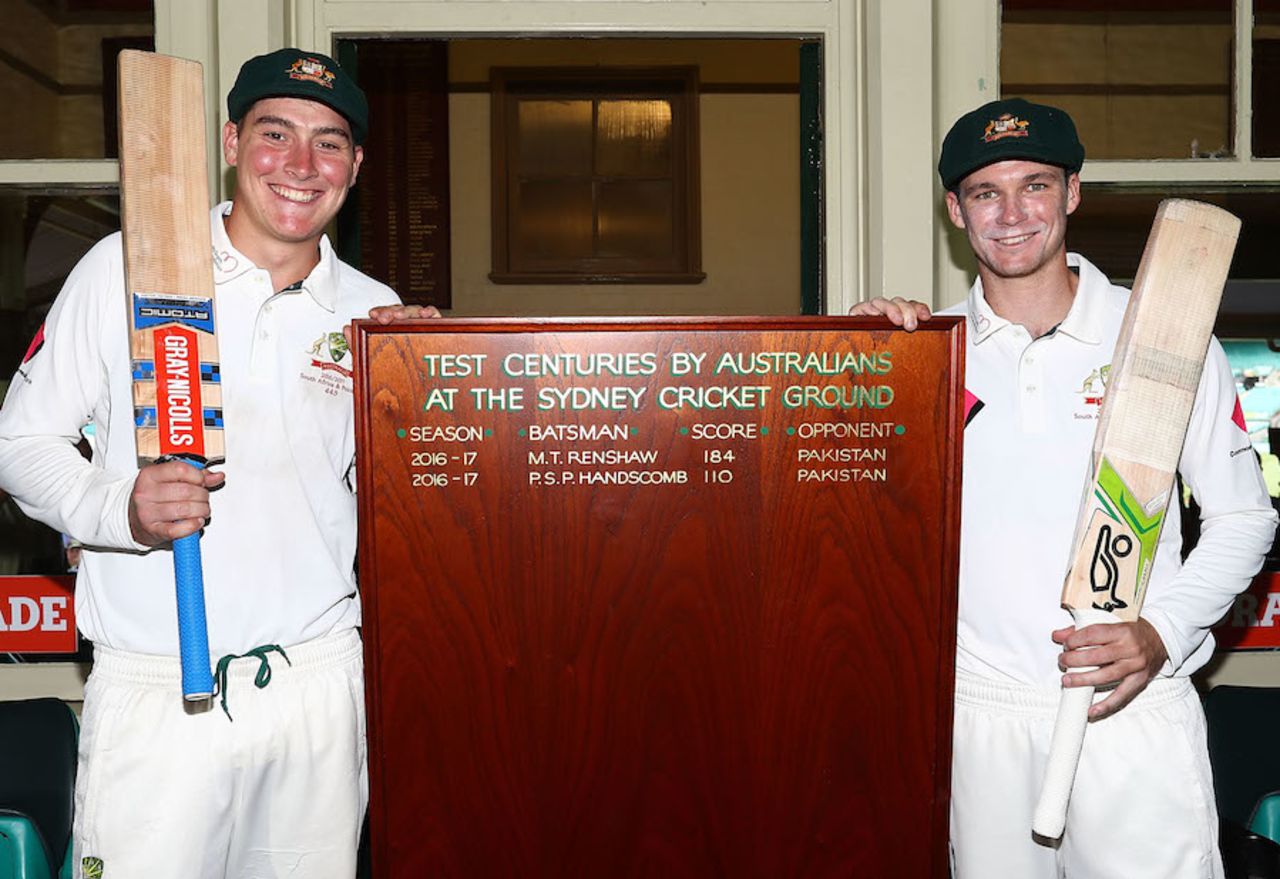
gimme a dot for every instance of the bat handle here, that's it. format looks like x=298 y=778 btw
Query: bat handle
x=1050 y=817
x=193 y=630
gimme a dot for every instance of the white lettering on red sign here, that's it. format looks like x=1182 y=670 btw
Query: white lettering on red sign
x=1273 y=608
x=37 y=615
x=25 y=614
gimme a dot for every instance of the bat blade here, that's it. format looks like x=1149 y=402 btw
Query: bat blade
x=1154 y=374
x=177 y=391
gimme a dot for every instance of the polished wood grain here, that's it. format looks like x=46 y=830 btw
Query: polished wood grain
x=750 y=679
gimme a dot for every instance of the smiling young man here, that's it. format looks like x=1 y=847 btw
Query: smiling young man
x=282 y=789
x=1041 y=327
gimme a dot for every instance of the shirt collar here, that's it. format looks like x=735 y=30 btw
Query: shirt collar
x=983 y=321
x=322 y=283
x=229 y=263
x=1083 y=322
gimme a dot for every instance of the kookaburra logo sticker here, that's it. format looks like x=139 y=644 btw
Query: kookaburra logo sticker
x=1123 y=534
x=1104 y=574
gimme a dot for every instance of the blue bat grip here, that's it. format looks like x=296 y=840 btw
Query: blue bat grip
x=193 y=631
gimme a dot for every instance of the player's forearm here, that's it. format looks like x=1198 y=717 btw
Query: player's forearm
x=54 y=484
x=1227 y=556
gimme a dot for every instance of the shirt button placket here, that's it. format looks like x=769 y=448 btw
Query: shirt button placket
x=259 y=356
x=1030 y=378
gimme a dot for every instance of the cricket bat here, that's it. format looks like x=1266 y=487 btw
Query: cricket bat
x=177 y=391
x=1155 y=372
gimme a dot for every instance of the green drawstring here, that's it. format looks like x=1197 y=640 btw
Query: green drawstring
x=260 y=680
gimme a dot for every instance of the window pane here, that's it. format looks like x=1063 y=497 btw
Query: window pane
x=1141 y=82
x=1110 y=228
x=57 y=79
x=555 y=137
x=42 y=236
x=635 y=219
x=634 y=138
x=1266 y=80
x=554 y=220
x=595 y=174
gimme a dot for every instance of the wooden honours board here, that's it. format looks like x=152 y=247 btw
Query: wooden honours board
x=659 y=598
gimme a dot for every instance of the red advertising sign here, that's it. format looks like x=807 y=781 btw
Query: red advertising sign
x=1254 y=620
x=37 y=615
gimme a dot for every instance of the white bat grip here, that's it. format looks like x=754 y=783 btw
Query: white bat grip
x=1068 y=738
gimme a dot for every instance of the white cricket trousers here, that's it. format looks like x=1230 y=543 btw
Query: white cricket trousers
x=278 y=791
x=1142 y=806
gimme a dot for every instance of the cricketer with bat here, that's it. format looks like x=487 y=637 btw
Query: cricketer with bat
x=1042 y=325
x=273 y=782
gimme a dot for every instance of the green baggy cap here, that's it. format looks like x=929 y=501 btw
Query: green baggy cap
x=1009 y=129
x=293 y=73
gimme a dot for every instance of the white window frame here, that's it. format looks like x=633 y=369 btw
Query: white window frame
x=969 y=75
x=877 y=85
